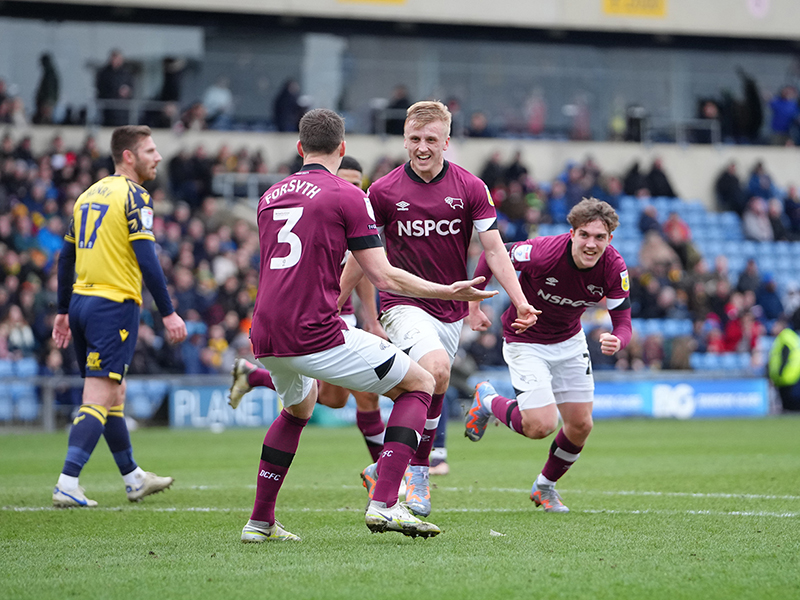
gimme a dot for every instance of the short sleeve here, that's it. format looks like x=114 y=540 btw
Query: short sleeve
x=70 y=235
x=484 y=215
x=359 y=220
x=522 y=255
x=619 y=285
x=140 y=214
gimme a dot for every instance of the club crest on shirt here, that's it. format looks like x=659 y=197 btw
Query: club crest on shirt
x=626 y=284
x=402 y=205
x=595 y=289
x=454 y=202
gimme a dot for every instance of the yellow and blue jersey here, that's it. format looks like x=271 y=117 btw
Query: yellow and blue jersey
x=107 y=217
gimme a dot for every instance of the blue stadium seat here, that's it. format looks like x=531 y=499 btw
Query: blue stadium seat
x=6 y=405
x=6 y=368
x=26 y=367
x=26 y=401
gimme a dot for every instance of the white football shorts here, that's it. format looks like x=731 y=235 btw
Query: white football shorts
x=416 y=332
x=364 y=363
x=548 y=373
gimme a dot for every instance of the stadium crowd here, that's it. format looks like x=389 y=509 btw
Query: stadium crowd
x=210 y=257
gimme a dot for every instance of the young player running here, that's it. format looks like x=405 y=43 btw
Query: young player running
x=549 y=364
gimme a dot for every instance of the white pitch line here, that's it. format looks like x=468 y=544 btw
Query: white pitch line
x=474 y=490
x=215 y=509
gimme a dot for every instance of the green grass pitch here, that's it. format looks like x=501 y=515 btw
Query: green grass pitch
x=659 y=509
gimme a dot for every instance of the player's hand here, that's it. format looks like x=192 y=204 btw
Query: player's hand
x=374 y=327
x=176 y=328
x=609 y=344
x=527 y=316
x=477 y=319
x=61 y=332
x=465 y=290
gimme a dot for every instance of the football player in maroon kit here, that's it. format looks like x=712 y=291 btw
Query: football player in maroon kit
x=306 y=223
x=549 y=364
x=246 y=375
x=427 y=210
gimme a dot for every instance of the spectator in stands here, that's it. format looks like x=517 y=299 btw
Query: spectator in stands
x=658 y=182
x=486 y=350
x=728 y=188
x=47 y=92
x=287 y=110
x=656 y=254
x=749 y=278
x=791 y=206
x=21 y=341
x=756 y=225
x=479 y=126
x=515 y=170
x=612 y=191
x=679 y=237
x=218 y=104
x=768 y=299
x=557 y=208
x=785 y=113
x=492 y=172
x=114 y=82
x=648 y=220
x=634 y=181
x=760 y=183
x=778 y=220
x=398 y=103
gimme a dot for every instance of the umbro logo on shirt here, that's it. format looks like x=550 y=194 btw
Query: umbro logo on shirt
x=402 y=205
x=551 y=281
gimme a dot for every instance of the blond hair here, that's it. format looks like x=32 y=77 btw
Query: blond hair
x=429 y=111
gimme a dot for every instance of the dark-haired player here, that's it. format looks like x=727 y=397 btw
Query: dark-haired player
x=246 y=375
x=111 y=247
x=549 y=364
x=306 y=224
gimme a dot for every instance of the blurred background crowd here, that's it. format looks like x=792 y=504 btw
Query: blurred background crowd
x=692 y=296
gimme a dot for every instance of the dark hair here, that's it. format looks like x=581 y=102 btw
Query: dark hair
x=350 y=163
x=127 y=137
x=321 y=131
x=592 y=209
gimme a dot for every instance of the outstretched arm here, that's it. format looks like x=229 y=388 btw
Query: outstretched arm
x=384 y=276
x=496 y=257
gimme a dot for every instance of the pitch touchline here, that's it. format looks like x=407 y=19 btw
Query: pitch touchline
x=215 y=509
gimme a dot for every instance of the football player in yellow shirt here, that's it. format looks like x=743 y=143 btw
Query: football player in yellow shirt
x=111 y=248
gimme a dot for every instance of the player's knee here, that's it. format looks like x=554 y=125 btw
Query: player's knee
x=582 y=427
x=332 y=400
x=537 y=429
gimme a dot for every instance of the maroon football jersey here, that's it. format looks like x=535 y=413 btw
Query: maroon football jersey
x=428 y=226
x=306 y=223
x=556 y=286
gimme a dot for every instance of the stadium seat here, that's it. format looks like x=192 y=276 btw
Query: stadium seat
x=6 y=368
x=26 y=367
x=26 y=401
x=6 y=405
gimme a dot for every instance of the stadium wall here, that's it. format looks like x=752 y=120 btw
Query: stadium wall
x=769 y=19
x=692 y=169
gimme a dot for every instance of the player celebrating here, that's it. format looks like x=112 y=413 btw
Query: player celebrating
x=306 y=224
x=111 y=246
x=549 y=364
x=427 y=209
x=246 y=375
